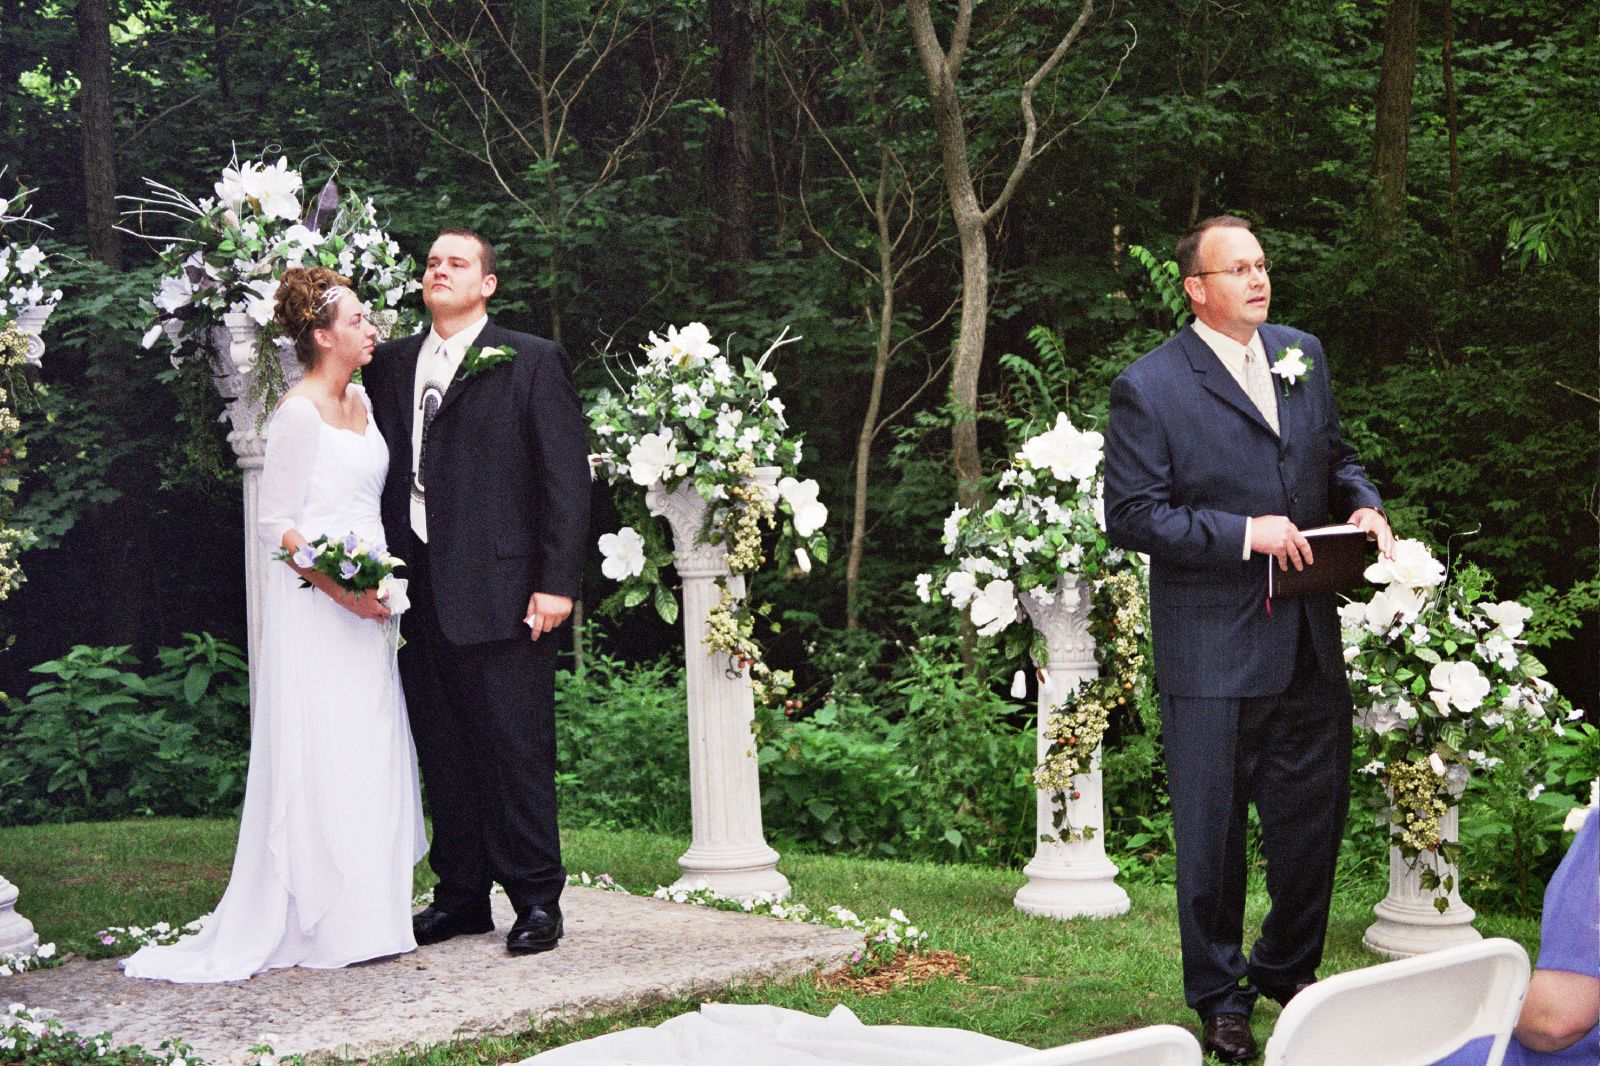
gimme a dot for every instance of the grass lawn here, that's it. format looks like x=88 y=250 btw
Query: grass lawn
x=1033 y=980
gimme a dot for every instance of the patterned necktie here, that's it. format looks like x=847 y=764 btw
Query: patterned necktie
x=1258 y=384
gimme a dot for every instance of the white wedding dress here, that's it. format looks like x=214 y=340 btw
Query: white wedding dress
x=332 y=820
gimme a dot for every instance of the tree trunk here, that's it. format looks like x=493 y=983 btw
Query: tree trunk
x=220 y=38
x=99 y=144
x=1452 y=124
x=972 y=228
x=972 y=218
x=730 y=157
x=1397 y=75
x=869 y=421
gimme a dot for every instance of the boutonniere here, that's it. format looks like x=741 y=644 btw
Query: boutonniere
x=476 y=360
x=1291 y=365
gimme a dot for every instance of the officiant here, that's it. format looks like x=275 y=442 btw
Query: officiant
x=1222 y=444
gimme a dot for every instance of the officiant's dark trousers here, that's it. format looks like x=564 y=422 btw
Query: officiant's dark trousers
x=483 y=717
x=1290 y=756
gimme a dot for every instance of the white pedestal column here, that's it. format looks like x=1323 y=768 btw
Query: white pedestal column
x=32 y=323
x=1069 y=880
x=728 y=852
x=16 y=932
x=1408 y=922
x=235 y=345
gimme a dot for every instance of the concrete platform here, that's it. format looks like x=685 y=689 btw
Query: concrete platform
x=618 y=951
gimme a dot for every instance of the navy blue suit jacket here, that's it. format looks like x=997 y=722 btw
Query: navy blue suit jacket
x=507 y=476
x=1188 y=458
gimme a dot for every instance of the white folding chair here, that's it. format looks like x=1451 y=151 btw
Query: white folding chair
x=1407 y=1013
x=1158 y=1045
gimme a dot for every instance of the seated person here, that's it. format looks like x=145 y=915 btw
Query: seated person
x=1560 y=1020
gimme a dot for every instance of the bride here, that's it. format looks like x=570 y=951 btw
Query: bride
x=332 y=820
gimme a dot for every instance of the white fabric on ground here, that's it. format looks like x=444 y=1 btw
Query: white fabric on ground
x=721 y=1034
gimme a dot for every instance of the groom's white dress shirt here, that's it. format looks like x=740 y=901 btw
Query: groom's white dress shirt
x=436 y=365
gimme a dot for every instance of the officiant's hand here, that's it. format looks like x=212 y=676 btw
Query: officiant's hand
x=546 y=611
x=1275 y=535
x=1372 y=522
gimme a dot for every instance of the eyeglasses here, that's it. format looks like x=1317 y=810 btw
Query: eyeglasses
x=1238 y=270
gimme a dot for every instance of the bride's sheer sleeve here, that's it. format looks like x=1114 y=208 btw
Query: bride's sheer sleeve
x=292 y=438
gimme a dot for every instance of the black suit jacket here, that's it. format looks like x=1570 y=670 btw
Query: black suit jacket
x=1188 y=458
x=507 y=471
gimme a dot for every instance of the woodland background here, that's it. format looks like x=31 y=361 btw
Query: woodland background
x=1423 y=173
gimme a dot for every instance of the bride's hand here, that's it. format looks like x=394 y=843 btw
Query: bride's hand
x=364 y=605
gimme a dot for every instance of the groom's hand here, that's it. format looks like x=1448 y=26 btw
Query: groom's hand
x=546 y=611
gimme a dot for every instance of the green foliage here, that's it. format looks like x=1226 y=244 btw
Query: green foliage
x=102 y=740
x=1165 y=281
x=622 y=744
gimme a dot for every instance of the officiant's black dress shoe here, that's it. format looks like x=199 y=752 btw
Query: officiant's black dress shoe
x=1228 y=1037
x=537 y=929
x=1282 y=994
x=432 y=925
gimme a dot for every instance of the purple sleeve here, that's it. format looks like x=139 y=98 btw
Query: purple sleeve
x=1569 y=936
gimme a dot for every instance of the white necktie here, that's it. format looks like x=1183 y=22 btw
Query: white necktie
x=1258 y=386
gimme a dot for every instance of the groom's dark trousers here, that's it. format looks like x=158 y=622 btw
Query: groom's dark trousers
x=1254 y=703
x=483 y=717
x=507 y=474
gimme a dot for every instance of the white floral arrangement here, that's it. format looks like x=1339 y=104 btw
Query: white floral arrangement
x=882 y=937
x=690 y=414
x=29 y=1034
x=23 y=269
x=1439 y=677
x=1047 y=521
x=38 y=957
x=133 y=937
x=233 y=248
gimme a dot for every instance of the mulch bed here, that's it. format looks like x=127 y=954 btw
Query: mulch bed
x=905 y=968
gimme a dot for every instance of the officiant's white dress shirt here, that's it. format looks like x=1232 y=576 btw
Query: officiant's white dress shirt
x=1237 y=358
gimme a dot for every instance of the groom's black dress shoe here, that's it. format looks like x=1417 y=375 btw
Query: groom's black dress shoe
x=537 y=929
x=432 y=925
x=1228 y=1037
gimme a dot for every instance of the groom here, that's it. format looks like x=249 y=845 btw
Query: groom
x=487 y=500
x=1214 y=465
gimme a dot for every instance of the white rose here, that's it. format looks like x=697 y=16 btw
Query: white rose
x=651 y=457
x=1509 y=615
x=1397 y=603
x=274 y=188
x=1291 y=364
x=995 y=607
x=624 y=554
x=29 y=259
x=1069 y=455
x=961 y=587
x=801 y=496
x=952 y=529
x=230 y=190
x=174 y=292
x=262 y=301
x=1459 y=684
x=1413 y=566
x=302 y=237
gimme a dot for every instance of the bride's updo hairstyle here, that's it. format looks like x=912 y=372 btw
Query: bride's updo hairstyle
x=308 y=299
